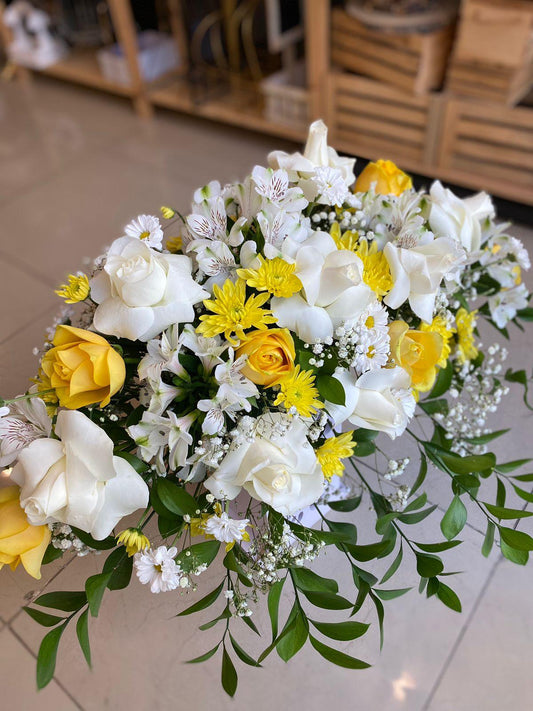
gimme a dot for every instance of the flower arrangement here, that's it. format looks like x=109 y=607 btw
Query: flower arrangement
x=231 y=385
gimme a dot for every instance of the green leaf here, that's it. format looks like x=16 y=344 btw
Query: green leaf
x=416 y=503
x=454 y=519
x=224 y=615
x=448 y=597
x=46 y=658
x=43 y=618
x=95 y=587
x=296 y=635
x=391 y=594
x=501 y=493
x=231 y=563
x=327 y=601
x=488 y=541
x=443 y=381
x=526 y=495
x=174 y=498
x=417 y=516
x=345 y=505
x=336 y=657
x=51 y=554
x=331 y=389
x=380 y=611
x=204 y=657
x=428 y=565
x=347 y=530
x=86 y=538
x=511 y=466
x=206 y=601
x=61 y=600
x=515 y=556
x=422 y=472
x=519 y=376
x=516 y=539
x=243 y=656
x=229 y=674
x=342 y=631
x=394 y=566
x=437 y=547
x=503 y=513
x=368 y=552
x=82 y=632
x=120 y=566
x=274 y=595
x=248 y=622
x=364 y=435
x=524 y=477
x=199 y=553
x=484 y=439
x=304 y=534
x=525 y=314
x=454 y=464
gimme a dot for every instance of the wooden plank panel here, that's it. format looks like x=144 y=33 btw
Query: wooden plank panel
x=363 y=105
x=522 y=160
x=390 y=53
x=504 y=135
x=375 y=90
x=370 y=124
x=523 y=179
x=374 y=148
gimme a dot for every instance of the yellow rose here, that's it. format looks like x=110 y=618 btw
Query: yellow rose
x=83 y=368
x=270 y=355
x=417 y=352
x=388 y=179
x=19 y=541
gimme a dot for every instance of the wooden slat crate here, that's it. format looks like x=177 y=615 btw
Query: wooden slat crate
x=493 y=52
x=415 y=62
x=373 y=120
x=489 y=146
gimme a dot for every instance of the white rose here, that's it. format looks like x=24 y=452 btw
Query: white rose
x=333 y=290
x=317 y=154
x=418 y=272
x=77 y=480
x=504 y=305
x=280 y=470
x=461 y=219
x=141 y=292
x=378 y=400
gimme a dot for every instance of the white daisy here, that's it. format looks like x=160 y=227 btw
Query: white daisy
x=158 y=569
x=330 y=185
x=374 y=317
x=148 y=228
x=226 y=529
x=372 y=352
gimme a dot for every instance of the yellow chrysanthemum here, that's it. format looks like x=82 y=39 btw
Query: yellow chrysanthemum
x=376 y=271
x=345 y=240
x=174 y=245
x=76 y=290
x=274 y=275
x=46 y=392
x=466 y=322
x=297 y=389
x=439 y=325
x=167 y=212
x=333 y=451
x=133 y=541
x=233 y=313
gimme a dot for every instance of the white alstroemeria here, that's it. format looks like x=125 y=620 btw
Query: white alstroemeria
x=161 y=395
x=246 y=197
x=273 y=185
x=378 y=400
x=208 y=350
x=333 y=290
x=500 y=246
x=418 y=272
x=316 y=154
x=508 y=274
x=162 y=355
x=234 y=387
x=148 y=228
x=150 y=435
x=214 y=420
x=279 y=469
x=20 y=424
x=76 y=479
x=158 y=569
x=141 y=292
x=461 y=220
x=283 y=231
x=209 y=222
x=179 y=439
x=331 y=189
x=505 y=304
x=215 y=259
x=212 y=190
x=226 y=529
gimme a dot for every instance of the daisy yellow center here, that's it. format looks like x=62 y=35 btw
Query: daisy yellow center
x=145 y=234
x=370 y=322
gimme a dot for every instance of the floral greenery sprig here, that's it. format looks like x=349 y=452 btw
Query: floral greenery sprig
x=238 y=385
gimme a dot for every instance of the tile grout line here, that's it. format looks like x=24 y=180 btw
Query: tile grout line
x=60 y=685
x=460 y=636
x=28 y=325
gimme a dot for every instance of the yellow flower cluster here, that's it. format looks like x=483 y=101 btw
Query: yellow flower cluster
x=376 y=270
x=297 y=389
x=333 y=451
x=466 y=323
x=274 y=275
x=133 y=540
x=439 y=325
x=76 y=290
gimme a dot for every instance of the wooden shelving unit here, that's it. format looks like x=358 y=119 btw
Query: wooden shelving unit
x=429 y=133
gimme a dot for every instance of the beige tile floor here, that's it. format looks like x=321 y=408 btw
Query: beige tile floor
x=74 y=168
